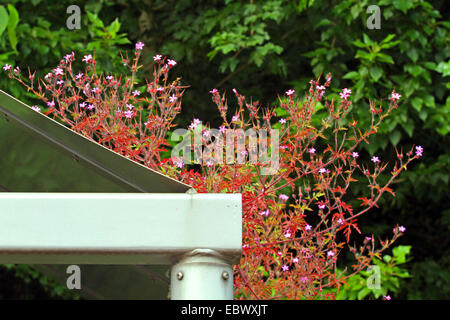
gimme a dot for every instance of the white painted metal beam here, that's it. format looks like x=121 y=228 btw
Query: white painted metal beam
x=131 y=228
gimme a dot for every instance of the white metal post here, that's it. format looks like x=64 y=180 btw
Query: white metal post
x=200 y=275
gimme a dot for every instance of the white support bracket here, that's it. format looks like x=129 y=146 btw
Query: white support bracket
x=200 y=235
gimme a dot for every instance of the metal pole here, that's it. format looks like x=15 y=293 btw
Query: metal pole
x=202 y=274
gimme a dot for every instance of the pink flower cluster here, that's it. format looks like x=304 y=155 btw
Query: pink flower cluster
x=345 y=93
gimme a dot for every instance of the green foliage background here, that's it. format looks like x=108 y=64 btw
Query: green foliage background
x=264 y=47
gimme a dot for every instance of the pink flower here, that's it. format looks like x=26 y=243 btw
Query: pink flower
x=322 y=206
x=83 y=105
x=295 y=260
x=375 y=159
x=60 y=82
x=282 y=121
x=368 y=238
x=304 y=279
x=58 y=71
x=285 y=267
x=80 y=75
x=345 y=93
x=287 y=234
x=222 y=129
x=290 y=92
x=69 y=57
x=284 y=197
x=7 y=67
x=355 y=155
x=322 y=170
x=96 y=90
x=308 y=227
x=36 y=108
x=128 y=114
x=51 y=103
x=206 y=133
x=235 y=91
x=195 y=123
x=91 y=107
x=387 y=297
x=179 y=163
x=213 y=91
x=158 y=57
x=265 y=213
x=330 y=253
x=209 y=163
x=109 y=78
x=129 y=106
x=171 y=62
x=87 y=58
x=419 y=151
x=136 y=93
x=139 y=45
x=312 y=150
x=320 y=88
x=401 y=229
x=17 y=69
x=340 y=221
x=395 y=96
x=235 y=118
x=173 y=98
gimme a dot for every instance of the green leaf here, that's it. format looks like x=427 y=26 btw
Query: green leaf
x=387 y=43
x=280 y=112
x=400 y=253
x=351 y=75
x=114 y=26
x=303 y=4
x=3 y=19
x=403 y=5
x=413 y=54
x=364 y=292
x=417 y=103
x=413 y=69
x=395 y=137
x=95 y=20
x=384 y=58
x=322 y=23
x=359 y=44
x=409 y=127
x=12 y=24
x=230 y=63
x=388 y=38
x=428 y=99
x=376 y=73
x=444 y=68
x=423 y=115
x=367 y=40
